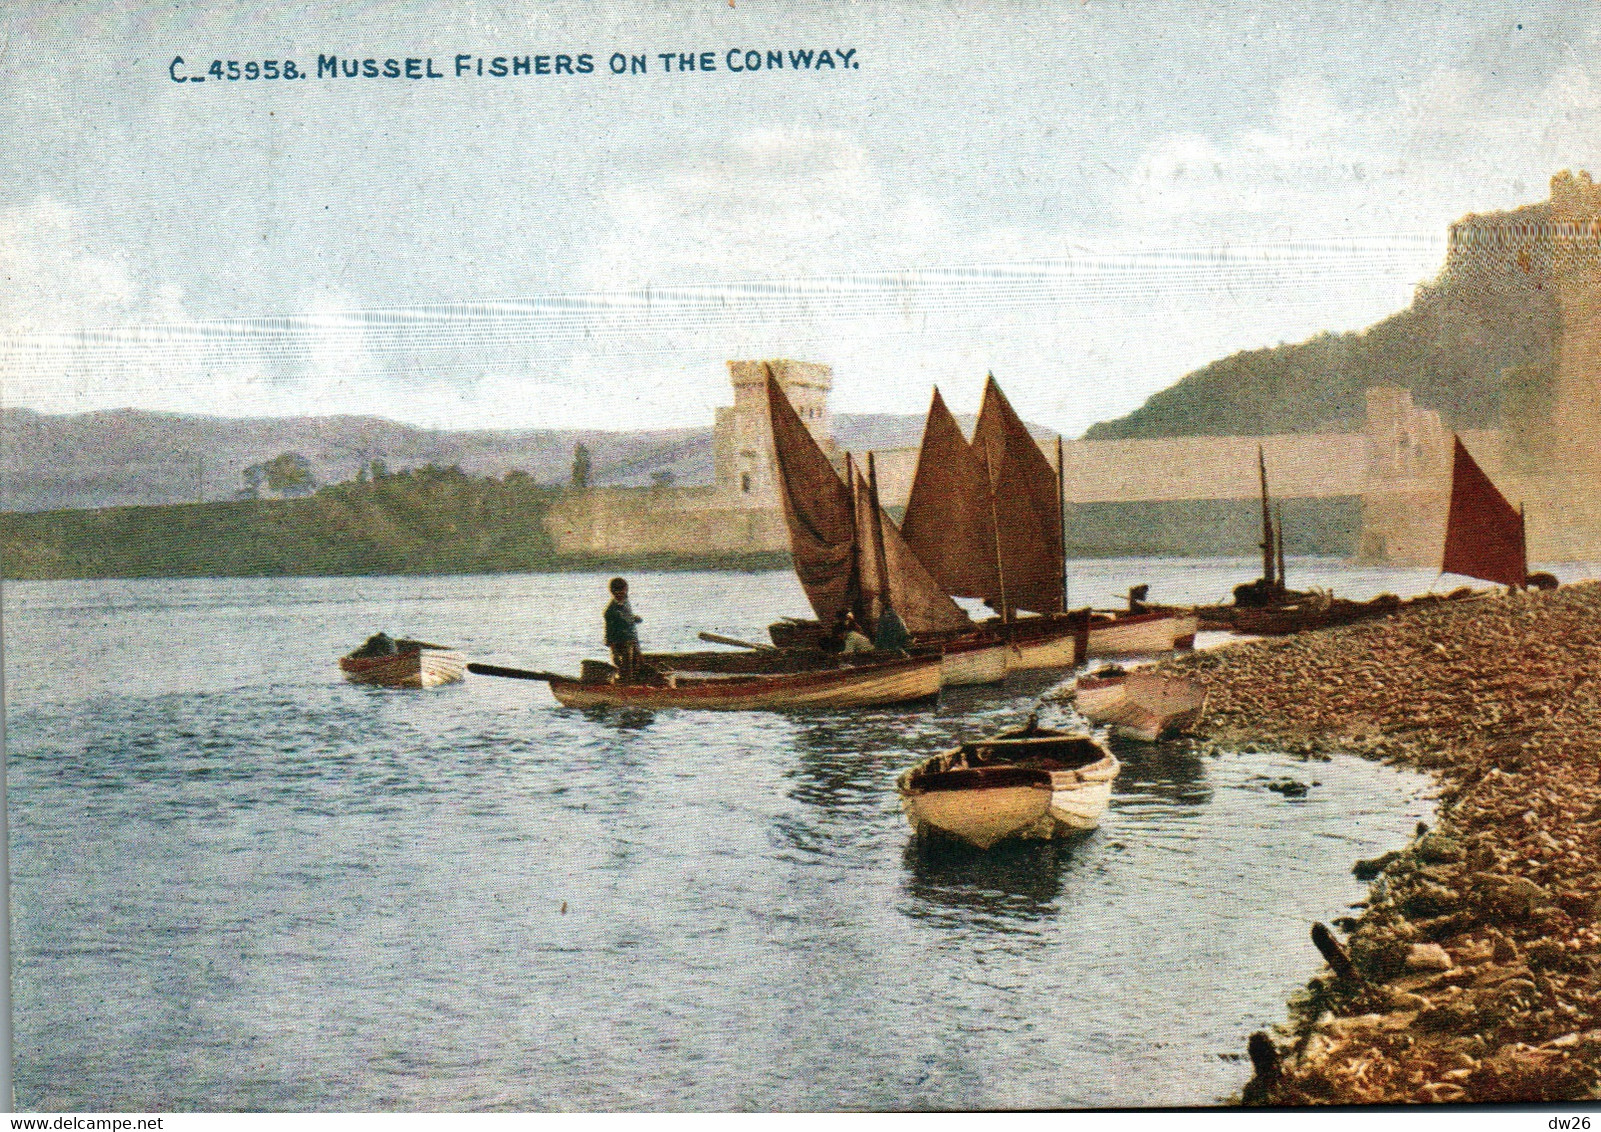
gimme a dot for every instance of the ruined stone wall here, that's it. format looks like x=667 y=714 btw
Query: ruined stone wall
x=687 y=522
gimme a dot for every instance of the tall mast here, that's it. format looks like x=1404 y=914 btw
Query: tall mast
x=995 y=524
x=1267 y=520
x=853 y=588
x=1061 y=515
x=1278 y=524
x=1523 y=543
x=878 y=538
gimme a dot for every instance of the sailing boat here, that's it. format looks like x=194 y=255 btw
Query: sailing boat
x=1484 y=538
x=850 y=556
x=1484 y=535
x=987 y=517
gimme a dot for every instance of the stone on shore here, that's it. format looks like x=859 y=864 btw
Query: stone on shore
x=1479 y=950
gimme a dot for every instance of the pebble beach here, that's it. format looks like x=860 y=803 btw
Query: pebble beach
x=1473 y=972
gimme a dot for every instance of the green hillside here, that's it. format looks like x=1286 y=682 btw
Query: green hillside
x=428 y=521
x=1476 y=345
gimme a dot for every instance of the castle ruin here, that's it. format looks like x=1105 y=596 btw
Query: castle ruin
x=1548 y=457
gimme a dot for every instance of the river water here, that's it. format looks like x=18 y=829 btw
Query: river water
x=240 y=883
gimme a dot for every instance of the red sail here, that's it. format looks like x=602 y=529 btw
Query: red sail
x=922 y=605
x=948 y=522
x=818 y=509
x=1027 y=506
x=1484 y=533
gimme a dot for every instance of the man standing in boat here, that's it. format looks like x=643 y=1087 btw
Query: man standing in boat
x=621 y=635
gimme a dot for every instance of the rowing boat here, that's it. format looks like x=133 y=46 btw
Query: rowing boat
x=1143 y=705
x=847 y=685
x=1141 y=634
x=1029 y=783
x=413 y=664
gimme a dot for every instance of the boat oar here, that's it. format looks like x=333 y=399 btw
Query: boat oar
x=513 y=673
x=719 y=639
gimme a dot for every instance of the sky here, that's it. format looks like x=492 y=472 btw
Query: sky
x=1088 y=199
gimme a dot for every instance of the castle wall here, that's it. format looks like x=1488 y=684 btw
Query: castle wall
x=691 y=522
x=1575 y=234
x=1399 y=465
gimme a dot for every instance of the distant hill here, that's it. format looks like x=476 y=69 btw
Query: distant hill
x=128 y=457
x=1476 y=345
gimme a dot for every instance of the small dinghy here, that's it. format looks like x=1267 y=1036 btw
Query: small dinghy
x=404 y=663
x=1143 y=705
x=1030 y=782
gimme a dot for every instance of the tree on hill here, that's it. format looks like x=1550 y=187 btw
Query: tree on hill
x=287 y=475
x=581 y=465
x=290 y=474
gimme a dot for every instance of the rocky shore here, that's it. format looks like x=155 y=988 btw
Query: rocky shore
x=1473 y=974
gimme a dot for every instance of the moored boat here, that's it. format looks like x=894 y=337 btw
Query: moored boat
x=851 y=559
x=1141 y=634
x=872 y=683
x=412 y=664
x=974 y=660
x=1143 y=705
x=1029 y=783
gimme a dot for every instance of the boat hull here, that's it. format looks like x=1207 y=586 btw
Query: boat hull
x=1080 y=797
x=1026 y=784
x=985 y=663
x=894 y=682
x=1143 y=634
x=1060 y=649
x=1073 y=802
x=425 y=668
x=1143 y=706
x=980 y=817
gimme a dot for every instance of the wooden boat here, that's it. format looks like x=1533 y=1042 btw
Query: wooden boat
x=1267 y=606
x=413 y=664
x=974 y=659
x=985 y=654
x=850 y=557
x=873 y=683
x=1029 y=782
x=1141 y=634
x=1484 y=538
x=986 y=518
x=1142 y=705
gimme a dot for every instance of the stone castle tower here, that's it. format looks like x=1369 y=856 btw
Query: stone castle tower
x=1575 y=240
x=742 y=441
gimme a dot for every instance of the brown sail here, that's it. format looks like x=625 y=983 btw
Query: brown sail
x=948 y=522
x=1027 y=506
x=1483 y=533
x=888 y=567
x=818 y=508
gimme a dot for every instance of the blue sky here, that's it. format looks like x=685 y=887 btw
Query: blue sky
x=1088 y=199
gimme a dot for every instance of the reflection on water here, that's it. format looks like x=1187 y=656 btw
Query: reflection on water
x=239 y=882
x=620 y=719
x=1166 y=772
x=954 y=885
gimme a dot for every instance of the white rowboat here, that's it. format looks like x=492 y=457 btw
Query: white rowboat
x=427 y=666
x=1140 y=705
x=1029 y=783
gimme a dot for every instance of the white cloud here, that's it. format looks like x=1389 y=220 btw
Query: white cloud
x=54 y=281
x=776 y=203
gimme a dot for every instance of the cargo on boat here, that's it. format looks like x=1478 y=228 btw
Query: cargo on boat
x=1031 y=783
x=403 y=664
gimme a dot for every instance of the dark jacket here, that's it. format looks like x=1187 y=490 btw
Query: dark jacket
x=620 y=622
